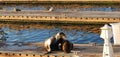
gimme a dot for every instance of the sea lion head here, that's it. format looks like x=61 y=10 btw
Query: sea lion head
x=60 y=35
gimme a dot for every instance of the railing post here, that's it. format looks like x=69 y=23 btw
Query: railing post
x=106 y=34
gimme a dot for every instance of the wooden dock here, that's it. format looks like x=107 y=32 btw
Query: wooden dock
x=86 y=50
x=61 y=17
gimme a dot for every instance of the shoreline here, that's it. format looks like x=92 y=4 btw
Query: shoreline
x=94 y=28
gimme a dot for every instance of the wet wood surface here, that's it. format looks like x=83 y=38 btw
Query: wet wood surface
x=86 y=50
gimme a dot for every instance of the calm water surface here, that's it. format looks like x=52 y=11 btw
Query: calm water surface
x=39 y=35
x=58 y=7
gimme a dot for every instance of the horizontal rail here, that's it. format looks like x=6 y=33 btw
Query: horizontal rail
x=61 y=17
x=58 y=19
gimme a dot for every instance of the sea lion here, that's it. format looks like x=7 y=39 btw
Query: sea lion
x=66 y=46
x=53 y=42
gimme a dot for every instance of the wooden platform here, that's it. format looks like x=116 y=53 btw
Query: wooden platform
x=37 y=50
x=61 y=17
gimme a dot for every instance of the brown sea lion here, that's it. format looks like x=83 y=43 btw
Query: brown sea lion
x=67 y=46
x=53 y=42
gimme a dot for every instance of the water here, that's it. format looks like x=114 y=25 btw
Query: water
x=23 y=8
x=80 y=9
x=39 y=35
x=60 y=7
x=91 y=9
